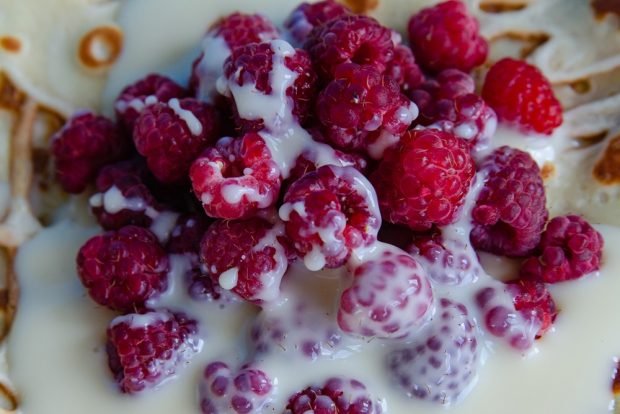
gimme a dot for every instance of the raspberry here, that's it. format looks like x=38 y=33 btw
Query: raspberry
x=449 y=104
x=442 y=364
x=187 y=234
x=510 y=211
x=145 y=349
x=243 y=392
x=122 y=269
x=268 y=68
x=404 y=69
x=569 y=248
x=236 y=178
x=534 y=302
x=446 y=36
x=337 y=395
x=307 y=16
x=123 y=198
x=424 y=180
x=246 y=257
x=350 y=39
x=328 y=213
x=389 y=296
x=147 y=91
x=360 y=101
x=447 y=262
x=227 y=34
x=86 y=143
x=171 y=135
x=520 y=94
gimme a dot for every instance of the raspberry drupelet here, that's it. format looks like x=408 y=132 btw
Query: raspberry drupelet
x=446 y=36
x=86 y=143
x=569 y=249
x=307 y=16
x=246 y=257
x=534 y=301
x=510 y=212
x=123 y=269
x=424 y=179
x=520 y=94
x=147 y=91
x=328 y=213
x=171 y=135
x=145 y=349
x=236 y=178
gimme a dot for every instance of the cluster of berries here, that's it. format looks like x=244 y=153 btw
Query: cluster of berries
x=277 y=152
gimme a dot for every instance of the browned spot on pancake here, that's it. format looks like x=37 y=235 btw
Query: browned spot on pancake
x=547 y=171
x=604 y=7
x=361 y=6
x=607 y=169
x=589 y=140
x=10 y=97
x=581 y=86
x=10 y=44
x=529 y=41
x=100 y=47
x=615 y=382
x=501 y=6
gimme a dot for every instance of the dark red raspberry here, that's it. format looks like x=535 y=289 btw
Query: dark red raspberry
x=236 y=178
x=243 y=392
x=328 y=213
x=171 y=135
x=307 y=16
x=446 y=36
x=520 y=94
x=86 y=143
x=246 y=257
x=443 y=361
x=122 y=269
x=187 y=233
x=510 y=212
x=424 y=179
x=569 y=248
x=145 y=349
x=404 y=69
x=336 y=396
x=390 y=296
x=147 y=91
x=360 y=102
x=449 y=103
x=255 y=66
x=535 y=303
x=350 y=39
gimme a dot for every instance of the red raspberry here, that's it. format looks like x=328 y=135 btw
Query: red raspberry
x=236 y=178
x=123 y=198
x=520 y=94
x=424 y=180
x=535 y=303
x=404 y=69
x=358 y=102
x=443 y=362
x=449 y=103
x=390 y=296
x=328 y=213
x=336 y=396
x=243 y=392
x=257 y=67
x=187 y=234
x=569 y=248
x=307 y=16
x=122 y=269
x=227 y=34
x=445 y=36
x=510 y=211
x=350 y=39
x=86 y=143
x=246 y=257
x=171 y=135
x=145 y=349
x=147 y=91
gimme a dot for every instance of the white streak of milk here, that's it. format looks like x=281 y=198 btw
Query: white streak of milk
x=193 y=123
